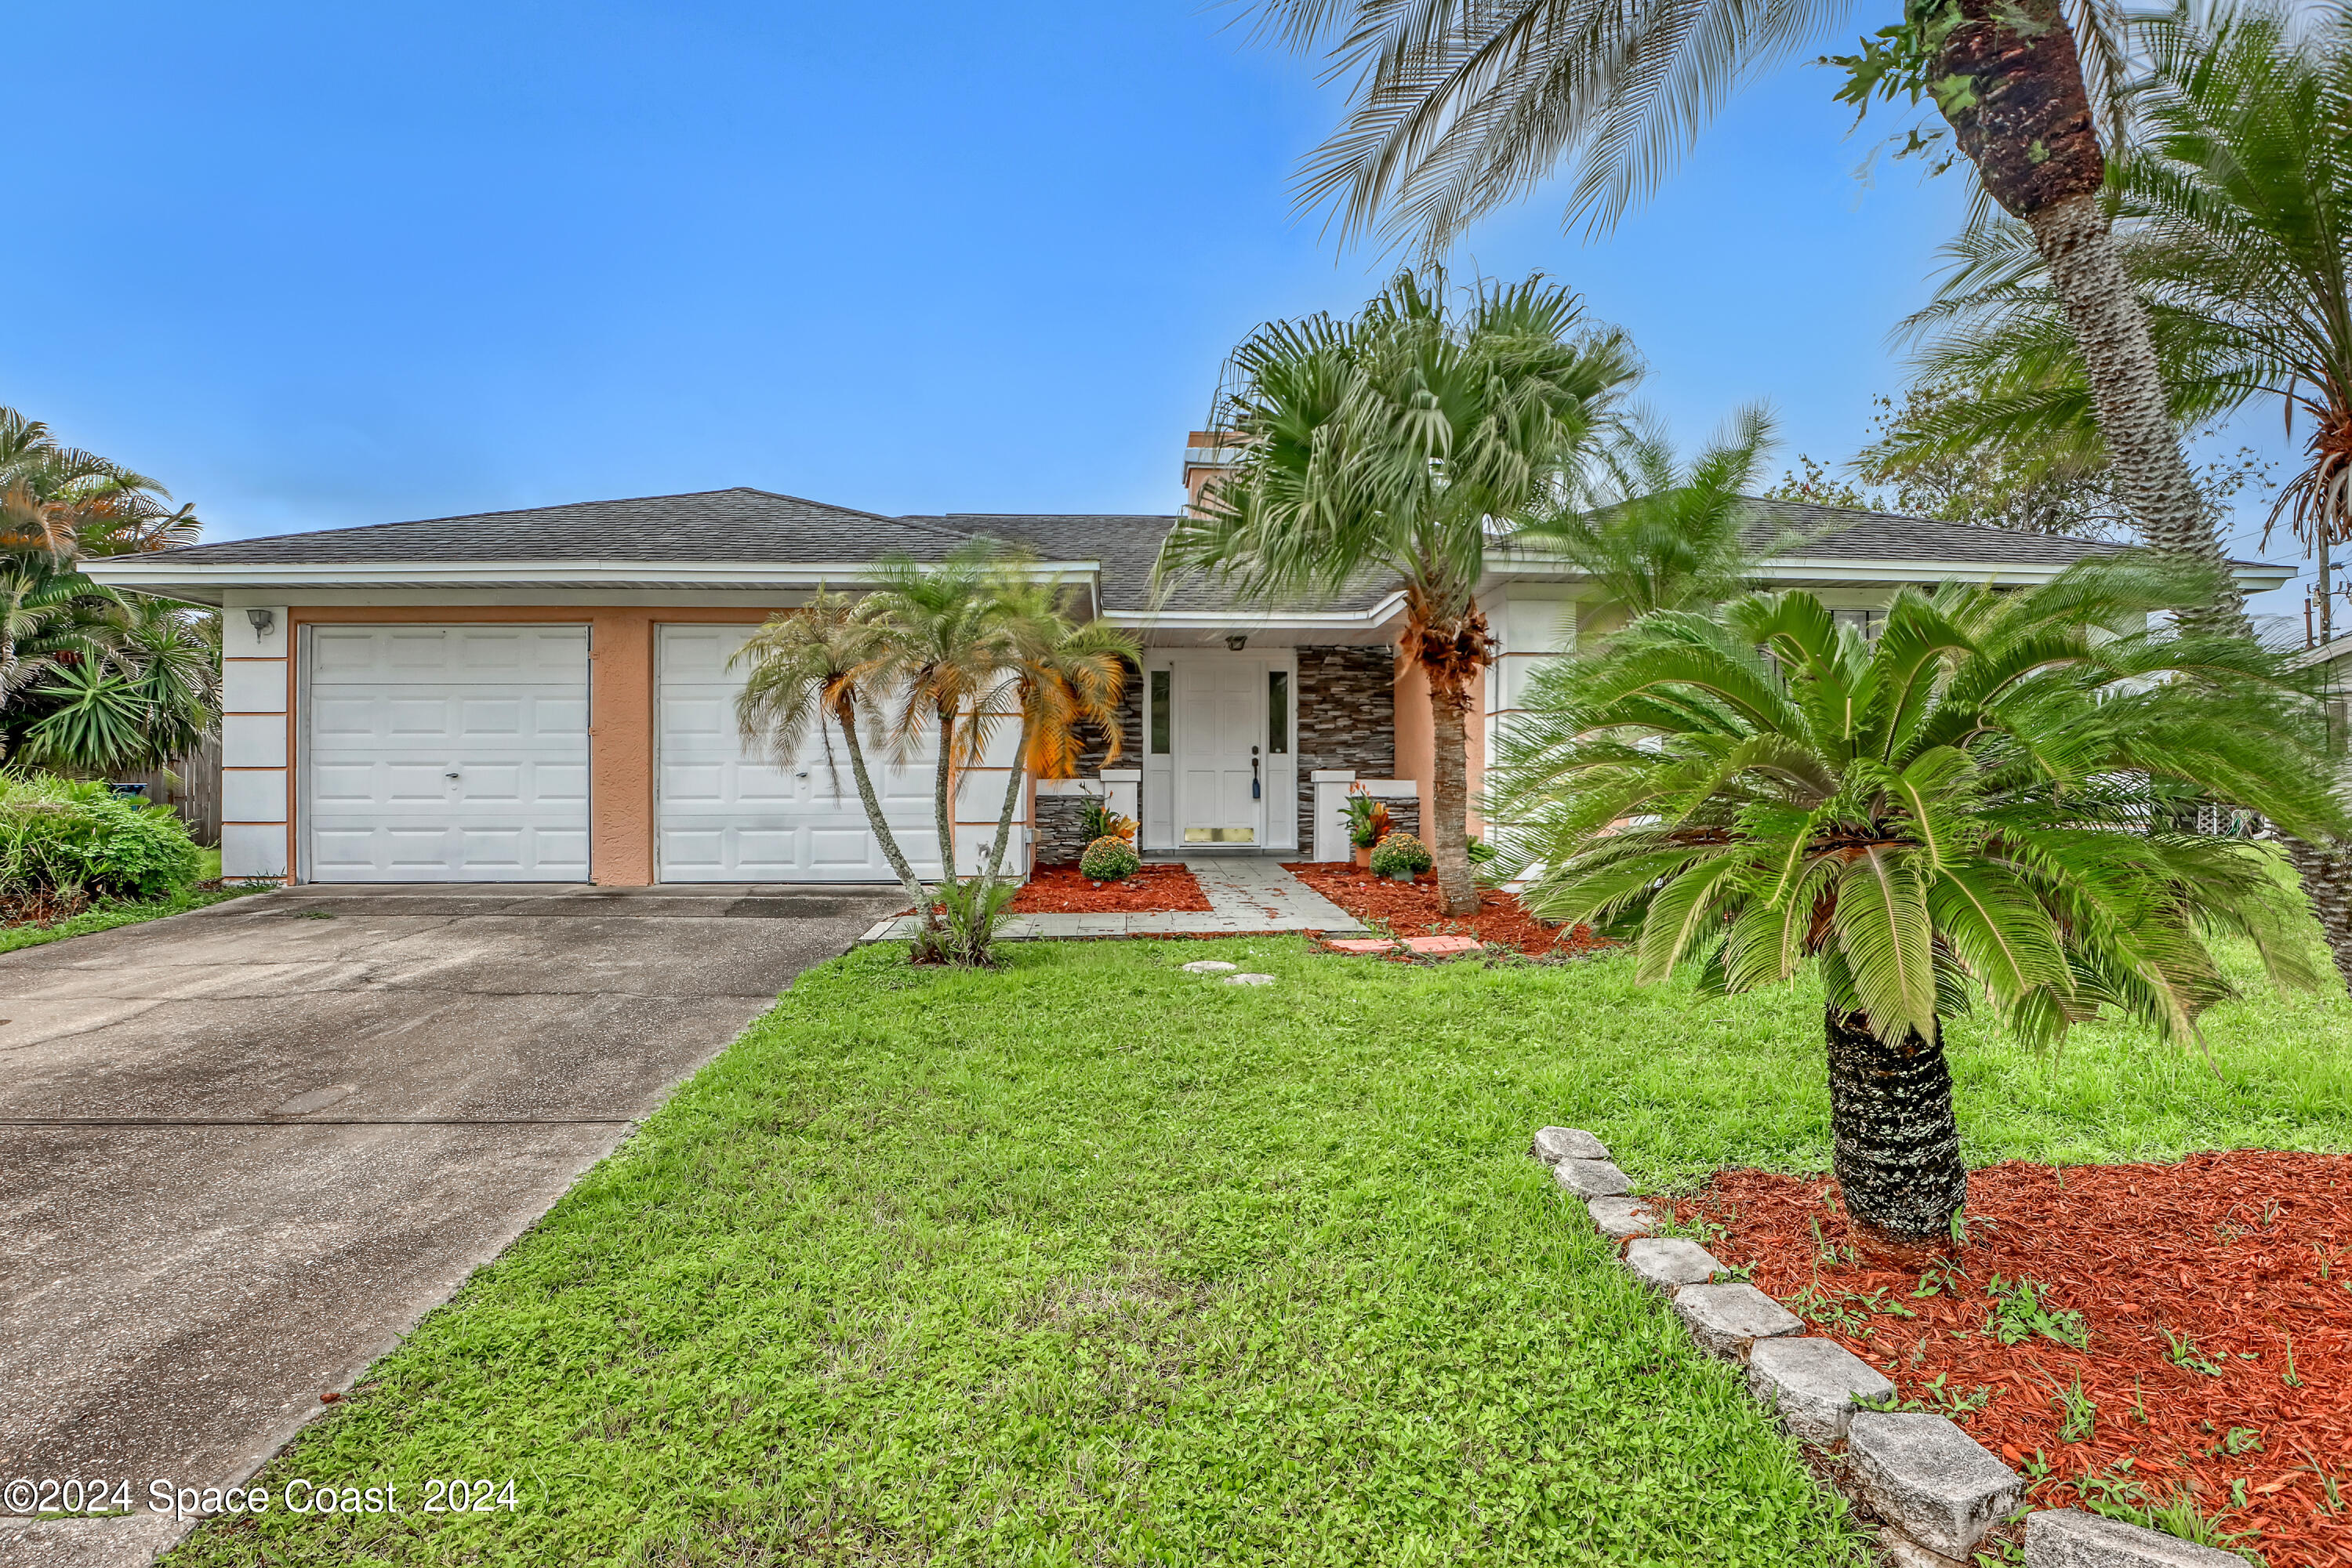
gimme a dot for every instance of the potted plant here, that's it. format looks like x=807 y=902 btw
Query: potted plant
x=1369 y=822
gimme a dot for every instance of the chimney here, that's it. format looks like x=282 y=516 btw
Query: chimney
x=1208 y=457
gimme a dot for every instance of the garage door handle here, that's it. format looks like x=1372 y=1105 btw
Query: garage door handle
x=448 y=775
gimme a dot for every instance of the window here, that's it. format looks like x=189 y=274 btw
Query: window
x=1870 y=623
x=1277 y=712
x=1162 y=699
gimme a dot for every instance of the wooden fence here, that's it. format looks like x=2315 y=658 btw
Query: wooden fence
x=190 y=786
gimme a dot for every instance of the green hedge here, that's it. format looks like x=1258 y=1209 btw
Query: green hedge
x=60 y=834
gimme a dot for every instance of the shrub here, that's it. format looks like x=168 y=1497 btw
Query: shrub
x=1369 y=821
x=1400 y=855
x=59 y=835
x=1109 y=859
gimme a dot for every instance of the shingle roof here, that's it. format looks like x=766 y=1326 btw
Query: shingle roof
x=739 y=524
x=1845 y=533
x=760 y=526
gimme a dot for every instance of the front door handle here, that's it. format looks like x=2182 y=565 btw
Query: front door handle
x=1254 y=782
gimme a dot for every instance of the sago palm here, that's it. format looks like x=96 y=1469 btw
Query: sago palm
x=1062 y=677
x=1464 y=106
x=806 y=666
x=1395 y=445
x=1977 y=803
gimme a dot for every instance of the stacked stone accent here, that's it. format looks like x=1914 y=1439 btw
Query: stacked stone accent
x=1346 y=719
x=1060 y=837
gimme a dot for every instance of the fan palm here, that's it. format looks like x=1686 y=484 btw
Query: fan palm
x=804 y=667
x=1063 y=678
x=2235 y=221
x=1461 y=106
x=1392 y=444
x=1975 y=802
x=1658 y=535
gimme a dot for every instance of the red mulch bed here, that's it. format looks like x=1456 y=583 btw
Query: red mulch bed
x=1409 y=908
x=1155 y=890
x=2246 y=1257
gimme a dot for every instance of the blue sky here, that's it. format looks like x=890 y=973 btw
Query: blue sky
x=322 y=266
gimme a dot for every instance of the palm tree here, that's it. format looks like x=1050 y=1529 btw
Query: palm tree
x=2234 y=216
x=1660 y=535
x=942 y=653
x=1062 y=677
x=1393 y=443
x=1461 y=106
x=1976 y=802
x=809 y=665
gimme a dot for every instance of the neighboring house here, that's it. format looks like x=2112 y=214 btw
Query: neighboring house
x=544 y=694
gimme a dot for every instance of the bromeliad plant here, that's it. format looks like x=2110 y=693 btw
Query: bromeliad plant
x=1976 y=805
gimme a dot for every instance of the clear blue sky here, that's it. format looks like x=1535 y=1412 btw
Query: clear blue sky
x=316 y=266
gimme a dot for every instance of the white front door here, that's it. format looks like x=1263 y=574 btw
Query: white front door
x=726 y=813
x=454 y=753
x=1233 y=778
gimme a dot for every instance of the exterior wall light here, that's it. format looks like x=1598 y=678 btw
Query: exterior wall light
x=263 y=621
x=1236 y=641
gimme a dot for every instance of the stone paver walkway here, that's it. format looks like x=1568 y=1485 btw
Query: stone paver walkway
x=1247 y=895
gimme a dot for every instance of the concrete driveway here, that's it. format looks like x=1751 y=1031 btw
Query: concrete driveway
x=243 y=1150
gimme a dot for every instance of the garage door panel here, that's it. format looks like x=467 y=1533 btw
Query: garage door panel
x=728 y=813
x=396 y=711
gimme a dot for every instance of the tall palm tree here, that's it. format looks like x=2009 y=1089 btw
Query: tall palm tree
x=1393 y=445
x=1063 y=676
x=2234 y=216
x=1461 y=106
x=806 y=666
x=1971 y=803
x=1655 y=534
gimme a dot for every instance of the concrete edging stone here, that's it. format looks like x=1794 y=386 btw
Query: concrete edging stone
x=1941 y=1488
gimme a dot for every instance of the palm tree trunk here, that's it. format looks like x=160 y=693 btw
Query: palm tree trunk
x=846 y=717
x=942 y=809
x=2325 y=871
x=1449 y=799
x=2011 y=83
x=1012 y=799
x=1897 y=1154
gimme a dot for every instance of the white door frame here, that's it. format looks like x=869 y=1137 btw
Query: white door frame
x=1277 y=814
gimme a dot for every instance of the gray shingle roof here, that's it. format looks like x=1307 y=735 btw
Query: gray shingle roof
x=760 y=526
x=739 y=524
x=1846 y=534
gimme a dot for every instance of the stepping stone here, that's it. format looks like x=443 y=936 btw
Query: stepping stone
x=1591 y=1178
x=1930 y=1478
x=1667 y=1263
x=1210 y=966
x=1813 y=1384
x=1727 y=1320
x=2069 y=1537
x=1361 y=944
x=1436 y=946
x=1620 y=1218
x=1554 y=1145
x=1249 y=979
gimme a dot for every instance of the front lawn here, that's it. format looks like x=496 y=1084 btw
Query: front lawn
x=1093 y=1260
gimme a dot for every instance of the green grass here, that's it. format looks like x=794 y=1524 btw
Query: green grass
x=106 y=916
x=1095 y=1261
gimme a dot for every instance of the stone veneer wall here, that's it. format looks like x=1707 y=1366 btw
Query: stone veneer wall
x=1060 y=840
x=1346 y=719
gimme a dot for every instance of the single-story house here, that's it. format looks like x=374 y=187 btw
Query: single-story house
x=545 y=694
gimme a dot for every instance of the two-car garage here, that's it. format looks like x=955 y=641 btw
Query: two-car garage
x=463 y=753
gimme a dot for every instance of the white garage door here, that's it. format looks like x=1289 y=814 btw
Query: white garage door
x=448 y=753
x=727 y=815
